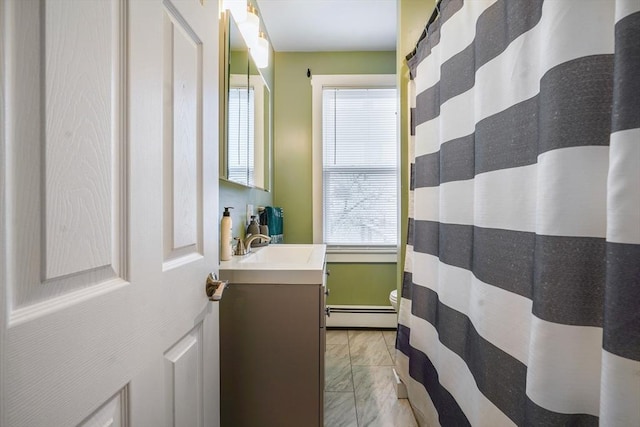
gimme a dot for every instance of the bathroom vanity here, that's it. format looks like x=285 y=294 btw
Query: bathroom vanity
x=272 y=337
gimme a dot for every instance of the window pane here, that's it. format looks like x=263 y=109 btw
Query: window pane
x=240 y=135
x=360 y=167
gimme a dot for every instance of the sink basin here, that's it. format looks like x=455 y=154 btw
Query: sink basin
x=280 y=254
x=277 y=264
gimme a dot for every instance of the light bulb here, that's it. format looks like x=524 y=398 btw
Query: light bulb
x=238 y=9
x=260 y=52
x=250 y=27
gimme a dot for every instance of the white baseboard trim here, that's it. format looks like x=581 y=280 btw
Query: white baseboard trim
x=362 y=316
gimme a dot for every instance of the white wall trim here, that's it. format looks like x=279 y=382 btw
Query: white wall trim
x=361 y=258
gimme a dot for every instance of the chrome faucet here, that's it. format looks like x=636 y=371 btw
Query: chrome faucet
x=244 y=247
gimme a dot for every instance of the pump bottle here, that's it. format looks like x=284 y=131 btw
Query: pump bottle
x=225 y=235
x=254 y=227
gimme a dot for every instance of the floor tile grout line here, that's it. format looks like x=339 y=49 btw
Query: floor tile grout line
x=353 y=381
x=350 y=342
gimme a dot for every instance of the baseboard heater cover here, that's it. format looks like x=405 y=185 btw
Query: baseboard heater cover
x=362 y=316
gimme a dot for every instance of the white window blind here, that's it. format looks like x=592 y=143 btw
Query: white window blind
x=360 y=167
x=240 y=135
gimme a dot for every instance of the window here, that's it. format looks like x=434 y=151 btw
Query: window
x=355 y=162
x=240 y=134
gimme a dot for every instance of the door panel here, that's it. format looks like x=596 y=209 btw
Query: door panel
x=65 y=109
x=80 y=135
x=184 y=386
x=114 y=413
x=105 y=317
x=182 y=118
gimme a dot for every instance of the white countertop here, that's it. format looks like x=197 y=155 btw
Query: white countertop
x=277 y=264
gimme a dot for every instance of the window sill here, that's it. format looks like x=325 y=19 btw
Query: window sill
x=362 y=255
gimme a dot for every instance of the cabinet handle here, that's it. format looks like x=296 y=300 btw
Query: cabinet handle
x=328 y=311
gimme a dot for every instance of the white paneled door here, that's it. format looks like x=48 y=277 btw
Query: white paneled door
x=108 y=189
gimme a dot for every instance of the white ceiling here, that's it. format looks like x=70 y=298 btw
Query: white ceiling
x=329 y=25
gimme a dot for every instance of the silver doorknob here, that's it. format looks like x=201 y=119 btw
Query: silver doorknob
x=214 y=287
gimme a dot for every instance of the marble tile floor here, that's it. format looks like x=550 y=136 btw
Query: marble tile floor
x=359 y=387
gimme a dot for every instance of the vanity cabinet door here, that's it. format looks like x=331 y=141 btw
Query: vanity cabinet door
x=323 y=323
x=271 y=356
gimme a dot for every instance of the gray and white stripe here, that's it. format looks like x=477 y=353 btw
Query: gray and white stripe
x=521 y=294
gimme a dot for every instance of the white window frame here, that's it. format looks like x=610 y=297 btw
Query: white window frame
x=318 y=82
x=256 y=173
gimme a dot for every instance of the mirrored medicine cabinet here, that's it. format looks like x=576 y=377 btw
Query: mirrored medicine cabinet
x=245 y=152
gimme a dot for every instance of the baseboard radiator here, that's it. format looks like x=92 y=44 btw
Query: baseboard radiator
x=362 y=316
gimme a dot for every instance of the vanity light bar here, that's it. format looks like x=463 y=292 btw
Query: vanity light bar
x=246 y=16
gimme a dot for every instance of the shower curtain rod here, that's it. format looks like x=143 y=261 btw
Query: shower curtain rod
x=434 y=16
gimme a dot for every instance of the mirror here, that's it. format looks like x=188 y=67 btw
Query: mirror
x=248 y=116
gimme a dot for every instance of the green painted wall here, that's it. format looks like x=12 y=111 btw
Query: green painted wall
x=238 y=61
x=360 y=284
x=351 y=284
x=292 y=126
x=413 y=15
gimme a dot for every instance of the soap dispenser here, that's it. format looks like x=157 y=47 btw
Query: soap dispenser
x=254 y=227
x=225 y=235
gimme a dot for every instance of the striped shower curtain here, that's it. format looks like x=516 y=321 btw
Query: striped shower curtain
x=521 y=295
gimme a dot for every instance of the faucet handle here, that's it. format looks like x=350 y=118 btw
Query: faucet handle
x=240 y=249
